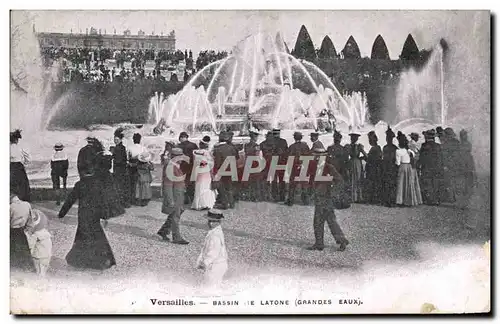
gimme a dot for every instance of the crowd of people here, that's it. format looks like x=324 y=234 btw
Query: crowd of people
x=215 y=176
x=92 y=65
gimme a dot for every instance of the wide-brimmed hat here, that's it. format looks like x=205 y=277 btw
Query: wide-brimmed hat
x=214 y=215
x=176 y=151
x=58 y=147
x=144 y=157
x=354 y=134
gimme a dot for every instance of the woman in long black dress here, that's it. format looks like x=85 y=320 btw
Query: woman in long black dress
x=18 y=157
x=91 y=248
x=112 y=205
x=120 y=171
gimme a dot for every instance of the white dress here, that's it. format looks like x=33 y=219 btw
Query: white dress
x=213 y=257
x=204 y=196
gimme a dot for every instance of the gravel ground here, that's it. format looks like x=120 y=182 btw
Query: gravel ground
x=390 y=248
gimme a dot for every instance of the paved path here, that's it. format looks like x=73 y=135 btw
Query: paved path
x=266 y=246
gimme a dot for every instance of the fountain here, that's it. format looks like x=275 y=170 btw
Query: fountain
x=259 y=83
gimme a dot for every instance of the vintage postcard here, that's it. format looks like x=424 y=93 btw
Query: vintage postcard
x=250 y=162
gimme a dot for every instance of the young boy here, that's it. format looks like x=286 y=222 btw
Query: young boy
x=40 y=241
x=213 y=256
x=59 y=169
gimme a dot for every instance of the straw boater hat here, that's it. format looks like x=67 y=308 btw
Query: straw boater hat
x=214 y=215
x=144 y=157
x=58 y=147
x=354 y=134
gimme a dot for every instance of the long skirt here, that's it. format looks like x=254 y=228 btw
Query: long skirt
x=19 y=181
x=143 y=190
x=408 y=190
x=389 y=183
x=91 y=248
x=356 y=180
x=204 y=196
x=20 y=255
x=373 y=183
x=122 y=182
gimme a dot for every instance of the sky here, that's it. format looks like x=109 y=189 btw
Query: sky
x=221 y=30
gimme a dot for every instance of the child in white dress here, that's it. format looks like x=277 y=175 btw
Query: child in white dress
x=213 y=256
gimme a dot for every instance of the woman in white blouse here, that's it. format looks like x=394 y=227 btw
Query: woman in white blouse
x=18 y=158
x=408 y=189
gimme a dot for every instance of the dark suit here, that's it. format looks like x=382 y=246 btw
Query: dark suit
x=389 y=175
x=280 y=149
x=430 y=166
x=254 y=179
x=188 y=148
x=297 y=150
x=324 y=210
x=225 y=186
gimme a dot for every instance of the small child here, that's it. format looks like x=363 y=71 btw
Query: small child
x=213 y=256
x=59 y=169
x=40 y=242
x=143 y=191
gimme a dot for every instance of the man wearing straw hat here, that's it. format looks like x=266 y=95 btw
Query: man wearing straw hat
x=213 y=257
x=173 y=198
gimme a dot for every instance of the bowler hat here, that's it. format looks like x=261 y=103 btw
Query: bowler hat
x=297 y=134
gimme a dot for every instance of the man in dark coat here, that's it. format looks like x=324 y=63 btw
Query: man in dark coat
x=280 y=149
x=451 y=164
x=254 y=179
x=389 y=170
x=120 y=170
x=267 y=147
x=430 y=167
x=86 y=156
x=297 y=150
x=324 y=210
x=187 y=149
x=316 y=143
x=222 y=151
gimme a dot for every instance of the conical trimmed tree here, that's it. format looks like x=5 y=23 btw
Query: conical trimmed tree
x=327 y=50
x=304 y=47
x=410 y=50
x=351 y=49
x=379 y=49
